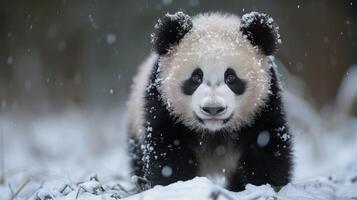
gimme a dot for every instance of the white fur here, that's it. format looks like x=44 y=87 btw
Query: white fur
x=213 y=92
x=136 y=102
x=214 y=44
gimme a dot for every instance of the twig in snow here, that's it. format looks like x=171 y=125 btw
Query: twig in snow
x=78 y=190
x=92 y=186
x=11 y=190
x=21 y=187
x=142 y=183
x=115 y=196
x=214 y=195
x=81 y=187
x=224 y=194
x=62 y=191
x=120 y=187
x=46 y=196
x=94 y=177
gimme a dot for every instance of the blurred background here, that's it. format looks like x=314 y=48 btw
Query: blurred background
x=58 y=55
x=66 y=68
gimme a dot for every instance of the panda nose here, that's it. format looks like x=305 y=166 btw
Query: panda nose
x=213 y=110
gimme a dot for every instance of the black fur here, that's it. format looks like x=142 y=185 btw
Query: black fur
x=172 y=144
x=238 y=85
x=190 y=85
x=170 y=30
x=136 y=156
x=260 y=31
x=166 y=143
x=272 y=163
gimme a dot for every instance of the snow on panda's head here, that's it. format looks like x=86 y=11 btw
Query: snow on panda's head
x=214 y=68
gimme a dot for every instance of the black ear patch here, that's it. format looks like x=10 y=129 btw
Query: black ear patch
x=261 y=31
x=170 y=30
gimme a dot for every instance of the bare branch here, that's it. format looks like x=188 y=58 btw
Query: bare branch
x=21 y=187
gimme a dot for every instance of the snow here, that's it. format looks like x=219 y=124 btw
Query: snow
x=111 y=91
x=92 y=21
x=252 y=17
x=183 y=19
x=198 y=188
x=263 y=138
x=249 y=18
x=166 y=171
x=178 y=16
x=83 y=155
x=111 y=38
x=10 y=60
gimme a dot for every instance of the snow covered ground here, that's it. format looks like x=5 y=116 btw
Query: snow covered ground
x=82 y=155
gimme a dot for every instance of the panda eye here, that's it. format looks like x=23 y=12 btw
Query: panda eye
x=196 y=78
x=230 y=79
x=236 y=84
x=190 y=85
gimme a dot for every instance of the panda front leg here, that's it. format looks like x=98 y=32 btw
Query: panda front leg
x=168 y=162
x=258 y=165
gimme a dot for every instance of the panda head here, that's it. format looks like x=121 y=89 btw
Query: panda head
x=213 y=68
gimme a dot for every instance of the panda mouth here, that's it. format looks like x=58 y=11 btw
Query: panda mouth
x=203 y=121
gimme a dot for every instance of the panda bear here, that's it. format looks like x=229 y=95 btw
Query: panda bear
x=207 y=102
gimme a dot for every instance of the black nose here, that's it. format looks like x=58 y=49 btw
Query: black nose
x=214 y=110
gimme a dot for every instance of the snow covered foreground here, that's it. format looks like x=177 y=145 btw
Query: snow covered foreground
x=202 y=189
x=82 y=155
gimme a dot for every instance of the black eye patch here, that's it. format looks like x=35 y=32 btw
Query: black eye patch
x=190 y=85
x=236 y=84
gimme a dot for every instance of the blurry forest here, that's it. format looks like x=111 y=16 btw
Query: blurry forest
x=59 y=54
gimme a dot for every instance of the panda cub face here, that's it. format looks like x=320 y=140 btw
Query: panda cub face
x=213 y=76
x=213 y=94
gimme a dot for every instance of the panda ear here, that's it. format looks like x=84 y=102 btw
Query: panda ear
x=169 y=31
x=260 y=30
